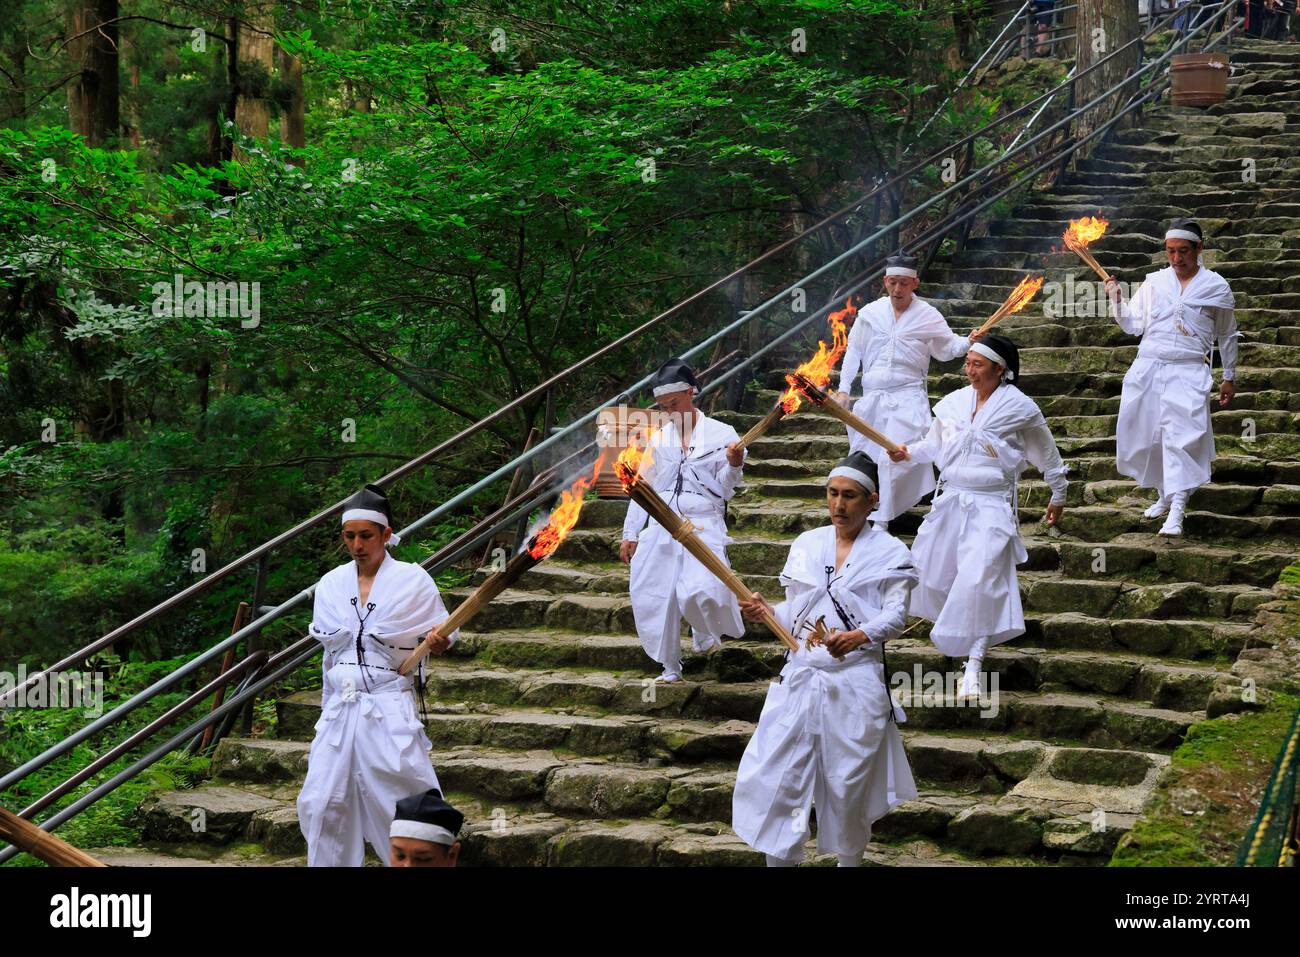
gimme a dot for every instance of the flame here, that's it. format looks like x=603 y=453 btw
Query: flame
x=632 y=459
x=817 y=370
x=565 y=515
x=1083 y=231
x=1025 y=291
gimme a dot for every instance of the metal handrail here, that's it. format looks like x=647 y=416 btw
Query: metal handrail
x=468 y=542
x=263 y=550
x=537 y=391
x=258 y=623
x=974 y=66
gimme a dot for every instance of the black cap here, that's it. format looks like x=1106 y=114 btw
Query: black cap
x=1005 y=348
x=1190 y=226
x=673 y=376
x=858 y=462
x=427 y=817
x=901 y=260
x=370 y=499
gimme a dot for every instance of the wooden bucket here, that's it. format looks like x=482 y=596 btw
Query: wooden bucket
x=1198 y=79
x=615 y=428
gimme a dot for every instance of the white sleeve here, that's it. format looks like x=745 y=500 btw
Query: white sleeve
x=634 y=521
x=1225 y=332
x=731 y=477
x=945 y=348
x=1132 y=318
x=927 y=450
x=896 y=589
x=441 y=614
x=783 y=614
x=1041 y=450
x=636 y=517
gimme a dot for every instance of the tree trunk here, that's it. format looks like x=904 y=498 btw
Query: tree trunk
x=256 y=49
x=293 y=124
x=93 y=101
x=15 y=99
x=1103 y=26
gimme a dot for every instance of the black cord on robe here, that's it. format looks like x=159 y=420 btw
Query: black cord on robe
x=847 y=620
x=361 y=630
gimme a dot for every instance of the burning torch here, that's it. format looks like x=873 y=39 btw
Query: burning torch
x=817 y=370
x=628 y=469
x=562 y=520
x=1080 y=233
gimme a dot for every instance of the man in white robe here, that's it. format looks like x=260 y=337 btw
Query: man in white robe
x=1164 y=438
x=892 y=342
x=370 y=749
x=828 y=737
x=967 y=549
x=696 y=474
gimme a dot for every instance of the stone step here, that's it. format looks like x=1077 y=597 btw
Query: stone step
x=194 y=855
x=1135 y=557
x=1043 y=788
x=550 y=733
x=1041 y=591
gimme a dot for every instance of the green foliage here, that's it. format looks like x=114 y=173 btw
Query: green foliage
x=1202 y=807
x=466 y=219
x=28 y=732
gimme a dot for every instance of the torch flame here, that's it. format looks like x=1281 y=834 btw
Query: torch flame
x=817 y=370
x=1025 y=291
x=1083 y=231
x=564 y=516
x=632 y=459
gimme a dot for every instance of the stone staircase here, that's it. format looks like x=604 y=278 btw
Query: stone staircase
x=548 y=732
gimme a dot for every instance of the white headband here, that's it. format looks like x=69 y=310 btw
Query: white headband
x=421 y=831
x=848 y=471
x=672 y=387
x=1182 y=234
x=988 y=353
x=371 y=515
x=900 y=271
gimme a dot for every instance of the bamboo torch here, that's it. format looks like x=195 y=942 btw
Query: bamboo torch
x=627 y=468
x=41 y=844
x=1019 y=298
x=1080 y=233
x=827 y=404
x=562 y=520
x=817 y=369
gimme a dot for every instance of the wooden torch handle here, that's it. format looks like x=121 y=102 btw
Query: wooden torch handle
x=853 y=422
x=41 y=844
x=471 y=606
x=658 y=509
x=763 y=424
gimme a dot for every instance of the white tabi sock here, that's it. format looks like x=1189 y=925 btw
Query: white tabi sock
x=1159 y=508
x=774 y=861
x=1174 y=523
x=970 y=682
x=849 y=860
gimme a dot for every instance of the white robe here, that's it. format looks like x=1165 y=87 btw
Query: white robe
x=894 y=356
x=825 y=738
x=1164 y=438
x=968 y=545
x=370 y=749
x=667 y=583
